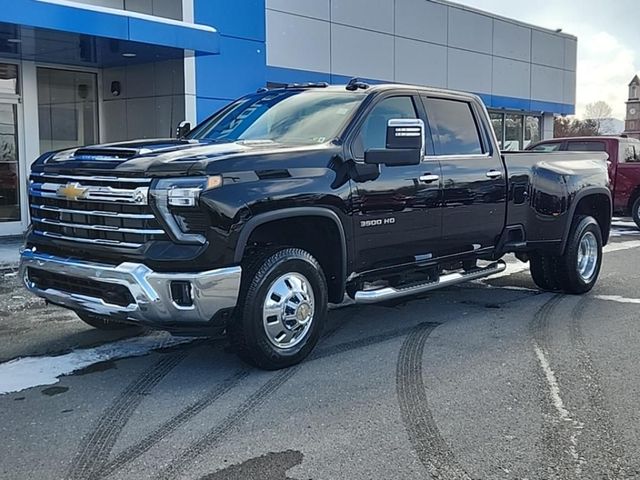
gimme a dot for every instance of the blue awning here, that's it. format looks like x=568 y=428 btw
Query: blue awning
x=109 y=32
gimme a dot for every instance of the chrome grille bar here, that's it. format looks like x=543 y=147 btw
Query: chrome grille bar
x=95 y=213
x=98 y=241
x=101 y=228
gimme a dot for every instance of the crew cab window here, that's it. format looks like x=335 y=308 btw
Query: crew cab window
x=373 y=133
x=585 y=146
x=453 y=127
x=547 y=147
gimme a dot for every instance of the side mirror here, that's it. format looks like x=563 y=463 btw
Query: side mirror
x=183 y=129
x=404 y=145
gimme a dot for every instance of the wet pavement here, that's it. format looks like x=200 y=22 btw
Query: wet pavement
x=490 y=379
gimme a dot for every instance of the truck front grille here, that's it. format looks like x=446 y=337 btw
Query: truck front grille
x=93 y=209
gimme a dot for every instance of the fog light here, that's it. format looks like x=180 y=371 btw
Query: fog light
x=182 y=293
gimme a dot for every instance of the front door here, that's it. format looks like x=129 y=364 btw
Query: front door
x=397 y=218
x=474 y=184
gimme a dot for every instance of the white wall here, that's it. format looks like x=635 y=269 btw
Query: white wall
x=426 y=42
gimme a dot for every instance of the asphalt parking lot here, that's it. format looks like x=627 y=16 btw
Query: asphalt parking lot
x=486 y=380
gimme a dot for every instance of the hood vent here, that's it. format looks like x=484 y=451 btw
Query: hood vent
x=117 y=154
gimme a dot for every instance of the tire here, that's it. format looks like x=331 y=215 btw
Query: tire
x=635 y=212
x=292 y=283
x=544 y=272
x=576 y=271
x=103 y=323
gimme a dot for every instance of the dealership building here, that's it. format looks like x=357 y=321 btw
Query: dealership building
x=90 y=71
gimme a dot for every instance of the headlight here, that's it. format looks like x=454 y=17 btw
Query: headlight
x=171 y=194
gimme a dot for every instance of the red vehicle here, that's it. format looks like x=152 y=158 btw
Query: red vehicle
x=624 y=166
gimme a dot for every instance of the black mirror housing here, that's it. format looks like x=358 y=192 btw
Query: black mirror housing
x=183 y=129
x=404 y=142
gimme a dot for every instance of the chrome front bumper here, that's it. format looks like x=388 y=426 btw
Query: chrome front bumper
x=211 y=291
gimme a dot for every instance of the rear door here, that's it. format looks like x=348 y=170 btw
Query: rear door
x=473 y=175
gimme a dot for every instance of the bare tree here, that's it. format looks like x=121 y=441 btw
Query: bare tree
x=599 y=112
x=573 y=127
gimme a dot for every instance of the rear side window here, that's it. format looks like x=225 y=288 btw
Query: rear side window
x=579 y=146
x=547 y=147
x=629 y=153
x=453 y=127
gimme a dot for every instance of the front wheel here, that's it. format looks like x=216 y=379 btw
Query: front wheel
x=282 y=308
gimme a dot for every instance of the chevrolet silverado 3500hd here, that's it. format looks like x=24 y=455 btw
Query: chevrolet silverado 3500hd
x=285 y=200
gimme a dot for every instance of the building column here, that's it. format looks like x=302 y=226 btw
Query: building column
x=547 y=126
x=190 y=104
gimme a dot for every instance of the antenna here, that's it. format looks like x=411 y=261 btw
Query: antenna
x=355 y=83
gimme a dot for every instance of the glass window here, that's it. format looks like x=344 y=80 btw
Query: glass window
x=513 y=132
x=497 y=121
x=373 y=133
x=9 y=184
x=8 y=79
x=297 y=117
x=586 y=146
x=547 y=147
x=629 y=153
x=531 y=130
x=453 y=127
x=67 y=109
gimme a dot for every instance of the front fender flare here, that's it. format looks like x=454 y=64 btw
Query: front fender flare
x=266 y=217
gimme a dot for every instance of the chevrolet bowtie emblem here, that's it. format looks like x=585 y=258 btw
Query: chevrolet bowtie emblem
x=71 y=191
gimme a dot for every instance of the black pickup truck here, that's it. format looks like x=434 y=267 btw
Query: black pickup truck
x=285 y=200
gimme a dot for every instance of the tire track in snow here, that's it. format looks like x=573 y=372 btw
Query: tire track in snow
x=425 y=438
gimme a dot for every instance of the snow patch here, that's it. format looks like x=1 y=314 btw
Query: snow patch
x=22 y=373
x=616 y=247
x=618 y=298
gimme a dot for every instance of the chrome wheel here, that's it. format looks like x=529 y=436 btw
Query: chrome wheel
x=288 y=310
x=587 y=256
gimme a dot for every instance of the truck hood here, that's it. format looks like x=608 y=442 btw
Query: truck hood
x=158 y=157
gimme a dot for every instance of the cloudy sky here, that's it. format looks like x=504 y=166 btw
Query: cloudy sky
x=608 y=41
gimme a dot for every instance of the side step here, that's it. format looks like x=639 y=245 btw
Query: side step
x=389 y=293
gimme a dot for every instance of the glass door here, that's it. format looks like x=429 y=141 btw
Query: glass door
x=9 y=166
x=12 y=210
x=67 y=108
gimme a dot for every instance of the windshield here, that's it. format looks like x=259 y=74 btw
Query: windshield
x=304 y=117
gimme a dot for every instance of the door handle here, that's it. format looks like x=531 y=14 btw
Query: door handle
x=494 y=174
x=429 y=178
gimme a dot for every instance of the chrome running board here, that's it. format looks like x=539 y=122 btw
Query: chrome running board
x=389 y=293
